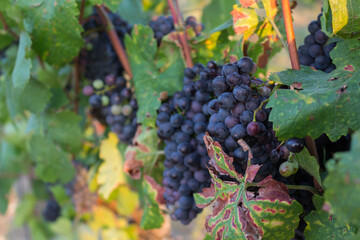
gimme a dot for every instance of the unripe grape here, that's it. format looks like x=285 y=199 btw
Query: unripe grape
x=288 y=168
x=98 y=84
x=116 y=109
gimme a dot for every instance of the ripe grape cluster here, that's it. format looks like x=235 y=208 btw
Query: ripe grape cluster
x=52 y=211
x=116 y=103
x=315 y=52
x=100 y=58
x=163 y=25
x=182 y=122
x=238 y=113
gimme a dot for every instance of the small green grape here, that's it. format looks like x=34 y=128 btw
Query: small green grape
x=116 y=109
x=105 y=100
x=98 y=84
x=288 y=168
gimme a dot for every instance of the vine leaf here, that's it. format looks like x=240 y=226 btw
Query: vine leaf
x=143 y=153
x=325 y=103
x=322 y=225
x=309 y=164
x=152 y=217
x=241 y=214
x=343 y=16
x=52 y=164
x=219 y=8
x=63 y=126
x=56 y=30
x=21 y=72
x=343 y=180
x=149 y=81
x=110 y=173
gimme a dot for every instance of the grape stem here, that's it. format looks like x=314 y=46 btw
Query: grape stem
x=115 y=41
x=259 y=108
x=294 y=58
x=7 y=28
x=181 y=32
x=296 y=187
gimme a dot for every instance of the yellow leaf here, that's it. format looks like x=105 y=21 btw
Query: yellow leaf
x=127 y=201
x=110 y=173
x=84 y=232
x=103 y=217
x=115 y=234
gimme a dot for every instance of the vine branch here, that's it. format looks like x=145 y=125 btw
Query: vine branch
x=294 y=58
x=115 y=41
x=7 y=28
x=82 y=9
x=181 y=32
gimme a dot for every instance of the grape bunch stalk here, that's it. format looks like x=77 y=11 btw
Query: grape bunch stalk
x=116 y=103
x=182 y=122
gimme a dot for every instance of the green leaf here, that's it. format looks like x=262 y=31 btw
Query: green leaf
x=309 y=164
x=152 y=217
x=344 y=16
x=149 y=82
x=52 y=164
x=21 y=72
x=25 y=210
x=58 y=99
x=133 y=12
x=219 y=8
x=326 y=103
x=111 y=4
x=63 y=227
x=60 y=194
x=39 y=229
x=63 y=128
x=34 y=97
x=343 y=180
x=9 y=164
x=56 y=31
x=322 y=225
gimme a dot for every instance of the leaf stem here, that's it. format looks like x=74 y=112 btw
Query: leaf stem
x=7 y=28
x=278 y=33
x=310 y=143
x=295 y=187
x=115 y=41
x=303 y=187
x=181 y=32
x=259 y=108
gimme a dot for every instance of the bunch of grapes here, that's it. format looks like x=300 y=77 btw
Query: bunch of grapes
x=182 y=122
x=116 y=103
x=52 y=211
x=163 y=25
x=100 y=58
x=315 y=52
x=238 y=112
